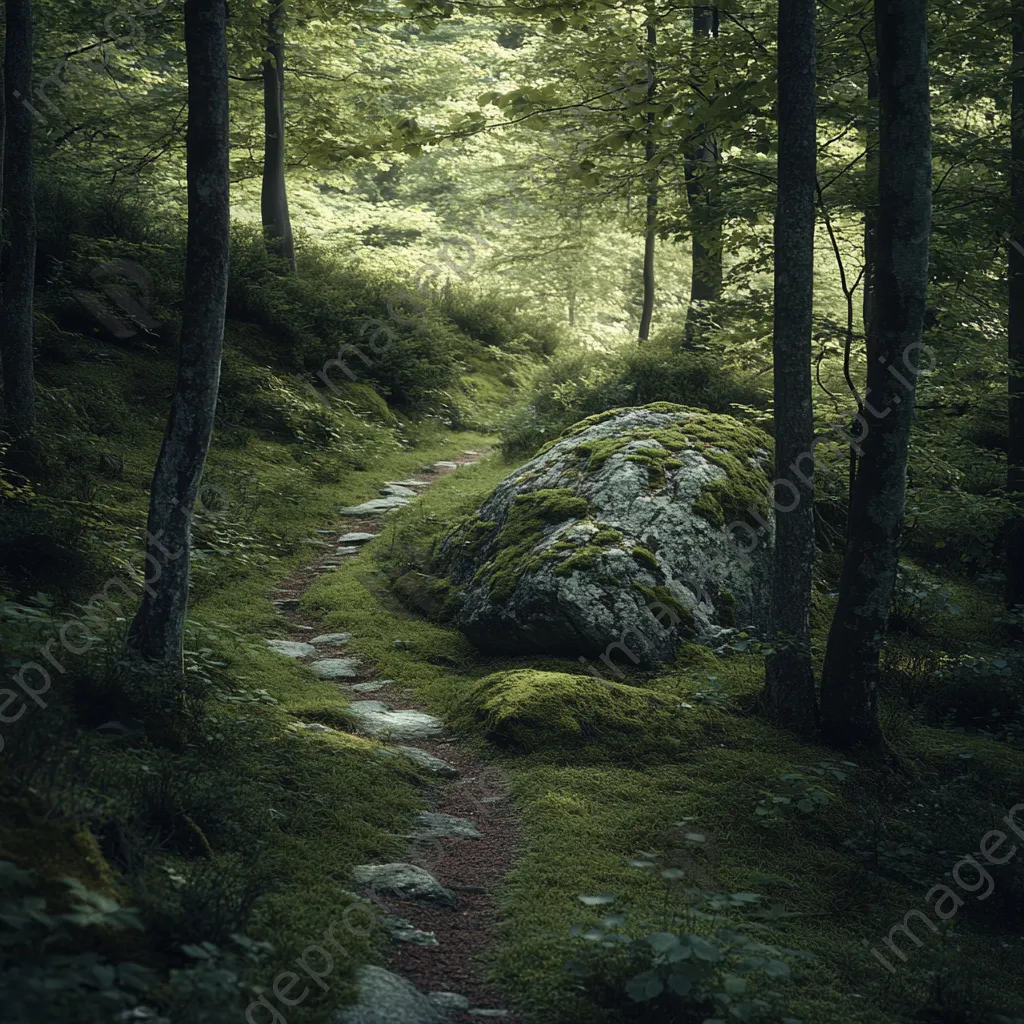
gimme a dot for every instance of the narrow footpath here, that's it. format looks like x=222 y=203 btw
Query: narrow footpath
x=438 y=905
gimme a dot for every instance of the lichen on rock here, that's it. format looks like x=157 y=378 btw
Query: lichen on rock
x=615 y=536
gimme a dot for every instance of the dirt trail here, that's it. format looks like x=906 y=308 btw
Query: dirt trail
x=472 y=868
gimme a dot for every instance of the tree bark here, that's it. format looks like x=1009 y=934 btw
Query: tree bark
x=1015 y=347
x=19 y=269
x=789 y=673
x=850 y=677
x=157 y=631
x=705 y=219
x=277 y=224
x=650 y=152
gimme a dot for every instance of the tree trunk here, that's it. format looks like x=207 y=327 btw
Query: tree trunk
x=158 y=629
x=650 y=152
x=870 y=208
x=705 y=218
x=850 y=677
x=1015 y=353
x=277 y=223
x=19 y=270
x=789 y=673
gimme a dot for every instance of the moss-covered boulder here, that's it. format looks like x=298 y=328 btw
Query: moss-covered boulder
x=528 y=710
x=614 y=541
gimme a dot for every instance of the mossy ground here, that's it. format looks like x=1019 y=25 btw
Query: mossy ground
x=837 y=873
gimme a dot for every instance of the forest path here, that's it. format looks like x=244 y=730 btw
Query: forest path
x=438 y=940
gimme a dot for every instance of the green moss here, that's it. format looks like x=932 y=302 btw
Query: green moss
x=529 y=517
x=646 y=559
x=663 y=596
x=606 y=537
x=529 y=710
x=725 y=607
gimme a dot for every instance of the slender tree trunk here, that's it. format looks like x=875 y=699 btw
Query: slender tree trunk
x=277 y=222
x=19 y=270
x=705 y=219
x=650 y=152
x=850 y=677
x=868 y=307
x=158 y=629
x=789 y=673
x=1015 y=353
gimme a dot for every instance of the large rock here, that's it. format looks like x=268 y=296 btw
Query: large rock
x=386 y=998
x=618 y=539
x=404 y=881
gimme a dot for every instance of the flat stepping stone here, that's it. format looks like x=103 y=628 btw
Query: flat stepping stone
x=405 y=931
x=349 y=549
x=398 y=491
x=291 y=648
x=449 y=1002
x=336 y=668
x=386 y=998
x=446 y=465
x=375 y=718
x=431 y=825
x=375 y=506
x=287 y=604
x=356 y=538
x=331 y=638
x=327 y=533
x=472 y=453
x=408 y=483
x=430 y=764
x=368 y=687
x=407 y=881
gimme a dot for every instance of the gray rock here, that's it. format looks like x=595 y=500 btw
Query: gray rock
x=368 y=687
x=398 y=491
x=291 y=648
x=427 y=762
x=331 y=638
x=375 y=719
x=287 y=604
x=409 y=483
x=405 y=931
x=386 y=998
x=406 y=881
x=375 y=506
x=449 y=1001
x=327 y=533
x=446 y=465
x=487 y=1013
x=336 y=668
x=471 y=453
x=633 y=553
x=348 y=550
x=315 y=727
x=431 y=825
x=356 y=538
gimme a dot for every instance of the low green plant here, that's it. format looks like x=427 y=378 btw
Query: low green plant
x=801 y=793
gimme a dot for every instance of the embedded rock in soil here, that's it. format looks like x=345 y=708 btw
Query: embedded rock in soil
x=336 y=668
x=356 y=538
x=427 y=762
x=398 y=491
x=375 y=718
x=631 y=532
x=408 y=483
x=385 y=998
x=367 y=687
x=431 y=825
x=331 y=638
x=291 y=648
x=446 y=1001
x=375 y=506
x=405 y=931
x=287 y=604
x=406 y=881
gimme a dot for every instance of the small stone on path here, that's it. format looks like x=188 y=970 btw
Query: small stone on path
x=349 y=549
x=398 y=491
x=375 y=506
x=288 y=604
x=427 y=762
x=409 y=483
x=356 y=538
x=367 y=687
x=331 y=638
x=404 y=880
x=446 y=465
x=386 y=998
x=405 y=931
x=431 y=825
x=336 y=668
x=291 y=648
x=375 y=718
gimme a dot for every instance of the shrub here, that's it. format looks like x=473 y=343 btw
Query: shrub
x=581 y=385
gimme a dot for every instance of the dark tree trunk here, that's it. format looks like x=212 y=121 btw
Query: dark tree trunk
x=277 y=223
x=705 y=218
x=870 y=208
x=850 y=677
x=789 y=673
x=158 y=629
x=1015 y=354
x=19 y=268
x=650 y=152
